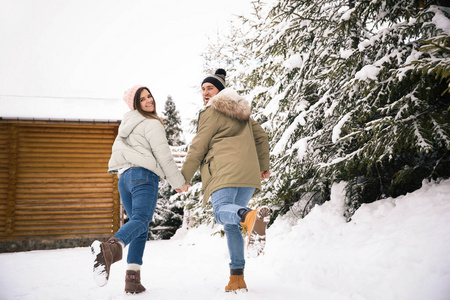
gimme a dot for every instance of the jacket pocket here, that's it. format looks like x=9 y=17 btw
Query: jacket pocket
x=206 y=171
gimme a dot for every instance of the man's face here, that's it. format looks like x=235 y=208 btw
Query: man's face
x=208 y=91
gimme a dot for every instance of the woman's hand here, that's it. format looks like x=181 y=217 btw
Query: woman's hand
x=183 y=189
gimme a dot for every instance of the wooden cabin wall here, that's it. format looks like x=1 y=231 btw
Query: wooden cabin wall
x=54 y=187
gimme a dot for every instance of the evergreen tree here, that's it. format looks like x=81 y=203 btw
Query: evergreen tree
x=168 y=213
x=349 y=90
x=352 y=94
x=172 y=123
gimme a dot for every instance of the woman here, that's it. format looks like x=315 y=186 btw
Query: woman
x=140 y=155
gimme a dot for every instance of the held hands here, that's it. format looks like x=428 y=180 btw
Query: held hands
x=265 y=174
x=183 y=189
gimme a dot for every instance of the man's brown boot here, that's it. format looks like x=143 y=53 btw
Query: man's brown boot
x=105 y=254
x=133 y=282
x=255 y=224
x=236 y=284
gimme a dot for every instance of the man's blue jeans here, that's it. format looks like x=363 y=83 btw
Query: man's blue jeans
x=226 y=203
x=138 y=188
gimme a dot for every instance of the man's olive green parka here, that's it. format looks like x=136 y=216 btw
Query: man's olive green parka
x=230 y=148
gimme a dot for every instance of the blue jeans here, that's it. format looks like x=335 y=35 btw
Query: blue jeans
x=226 y=203
x=138 y=188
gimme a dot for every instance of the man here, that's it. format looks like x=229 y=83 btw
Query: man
x=232 y=151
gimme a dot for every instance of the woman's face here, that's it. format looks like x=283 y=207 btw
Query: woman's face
x=147 y=102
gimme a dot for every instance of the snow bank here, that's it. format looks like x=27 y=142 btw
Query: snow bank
x=392 y=249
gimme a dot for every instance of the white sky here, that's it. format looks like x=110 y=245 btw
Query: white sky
x=100 y=48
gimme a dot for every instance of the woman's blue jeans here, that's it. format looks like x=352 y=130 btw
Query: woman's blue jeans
x=226 y=203
x=138 y=188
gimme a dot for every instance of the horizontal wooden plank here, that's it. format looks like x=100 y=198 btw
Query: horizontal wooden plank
x=68 y=149
x=63 y=164
x=61 y=228
x=19 y=197
x=63 y=206
x=64 y=127
x=23 y=170
x=70 y=128
x=63 y=201
x=68 y=223
x=52 y=214
x=42 y=142
x=64 y=218
x=62 y=233
x=63 y=180
x=104 y=135
x=57 y=145
x=64 y=186
x=49 y=175
x=64 y=157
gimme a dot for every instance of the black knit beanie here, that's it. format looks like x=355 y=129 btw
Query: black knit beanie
x=218 y=79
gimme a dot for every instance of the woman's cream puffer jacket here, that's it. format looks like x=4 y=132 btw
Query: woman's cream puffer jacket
x=142 y=142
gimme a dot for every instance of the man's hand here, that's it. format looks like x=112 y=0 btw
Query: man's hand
x=265 y=174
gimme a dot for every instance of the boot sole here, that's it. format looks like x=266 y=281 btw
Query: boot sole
x=133 y=293
x=257 y=238
x=238 y=291
x=99 y=271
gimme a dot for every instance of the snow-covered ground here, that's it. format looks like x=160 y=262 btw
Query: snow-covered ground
x=392 y=249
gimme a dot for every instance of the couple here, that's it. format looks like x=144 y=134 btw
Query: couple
x=232 y=151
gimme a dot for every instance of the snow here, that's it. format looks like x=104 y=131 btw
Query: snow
x=346 y=53
x=302 y=146
x=346 y=16
x=391 y=249
x=337 y=129
x=440 y=20
x=295 y=61
x=367 y=72
x=281 y=144
x=62 y=108
x=274 y=104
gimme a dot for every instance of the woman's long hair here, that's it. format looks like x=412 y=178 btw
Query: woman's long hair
x=137 y=105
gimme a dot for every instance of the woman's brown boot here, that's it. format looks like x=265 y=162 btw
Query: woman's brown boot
x=105 y=254
x=133 y=282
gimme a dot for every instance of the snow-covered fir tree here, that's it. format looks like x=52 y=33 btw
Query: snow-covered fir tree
x=172 y=123
x=354 y=91
x=169 y=214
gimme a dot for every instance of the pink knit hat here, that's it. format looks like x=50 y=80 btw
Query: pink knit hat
x=128 y=96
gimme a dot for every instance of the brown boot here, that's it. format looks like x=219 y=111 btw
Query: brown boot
x=105 y=254
x=255 y=224
x=133 y=282
x=236 y=284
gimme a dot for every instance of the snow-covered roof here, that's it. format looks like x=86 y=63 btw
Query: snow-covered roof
x=47 y=108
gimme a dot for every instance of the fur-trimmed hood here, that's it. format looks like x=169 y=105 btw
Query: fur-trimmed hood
x=229 y=102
